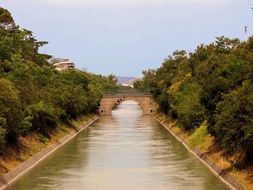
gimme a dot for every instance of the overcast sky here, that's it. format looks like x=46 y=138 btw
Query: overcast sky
x=125 y=37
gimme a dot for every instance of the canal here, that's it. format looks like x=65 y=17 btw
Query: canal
x=125 y=151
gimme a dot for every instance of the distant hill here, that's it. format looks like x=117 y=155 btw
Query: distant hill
x=126 y=80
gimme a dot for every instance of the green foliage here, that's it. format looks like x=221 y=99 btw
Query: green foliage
x=43 y=138
x=187 y=105
x=199 y=136
x=138 y=84
x=40 y=117
x=213 y=83
x=5 y=18
x=9 y=109
x=33 y=95
x=233 y=120
x=2 y=132
x=72 y=102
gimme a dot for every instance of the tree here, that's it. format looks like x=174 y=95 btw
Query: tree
x=233 y=127
x=188 y=107
x=10 y=113
x=6 y=20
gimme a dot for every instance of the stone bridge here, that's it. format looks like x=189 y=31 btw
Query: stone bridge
x=109 y=102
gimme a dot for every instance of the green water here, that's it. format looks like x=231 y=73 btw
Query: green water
x=125 y=151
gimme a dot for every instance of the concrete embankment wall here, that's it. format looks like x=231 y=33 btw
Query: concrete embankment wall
x=34 y=160
x=222 y=174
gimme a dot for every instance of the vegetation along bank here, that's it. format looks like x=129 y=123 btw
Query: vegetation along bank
x=38 y=104
x=209 y=94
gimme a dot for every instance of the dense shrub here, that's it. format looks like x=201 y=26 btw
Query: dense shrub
x=233 y=120
x=187 y=105
x=213 y=83
x=33 y=95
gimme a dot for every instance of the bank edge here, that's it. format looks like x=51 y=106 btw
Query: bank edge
x=27 y=165
x=224 y=176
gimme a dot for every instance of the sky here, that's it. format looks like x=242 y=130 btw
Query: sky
x=125 y=37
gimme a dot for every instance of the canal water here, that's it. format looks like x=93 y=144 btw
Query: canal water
x=125 y=151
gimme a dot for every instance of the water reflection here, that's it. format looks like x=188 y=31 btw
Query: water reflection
x=124 y=151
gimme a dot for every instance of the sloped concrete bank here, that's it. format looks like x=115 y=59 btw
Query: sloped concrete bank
x=222 y=174
x=14 y=174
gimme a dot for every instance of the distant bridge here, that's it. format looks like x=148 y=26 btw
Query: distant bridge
x=110 y=101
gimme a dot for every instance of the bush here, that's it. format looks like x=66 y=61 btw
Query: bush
x=33 y=95
x=10 y=112
x=233 y=120
x=42 y=138
x=187 y=106
x=39 y=117
x=199 y=136
x=2 y=132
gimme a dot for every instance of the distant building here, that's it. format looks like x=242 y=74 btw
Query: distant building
x=63 y=64
x=127 y=85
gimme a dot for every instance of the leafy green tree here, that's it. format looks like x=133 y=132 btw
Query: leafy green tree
x=6 y=19
x=2 y=132
x=213 y=83
x=39 y=117
x=233 y=127
x=188 y=107
x=33 y=95
x=10 y=112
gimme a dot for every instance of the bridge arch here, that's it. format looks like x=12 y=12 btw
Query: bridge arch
x=109 y=102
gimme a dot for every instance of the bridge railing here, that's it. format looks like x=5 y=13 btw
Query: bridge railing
x=132 y=92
